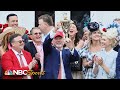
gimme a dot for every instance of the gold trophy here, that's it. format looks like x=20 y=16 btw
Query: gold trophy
x=65 y=24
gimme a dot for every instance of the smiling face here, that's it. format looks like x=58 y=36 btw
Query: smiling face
x=18 y=43
x=13 y=21
x=96 y=35
x=72 y=30
x=36 y=35
x=105 y=42
x=58 y=42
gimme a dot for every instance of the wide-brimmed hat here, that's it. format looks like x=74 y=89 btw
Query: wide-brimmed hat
x=19 y=30
x=109 y=32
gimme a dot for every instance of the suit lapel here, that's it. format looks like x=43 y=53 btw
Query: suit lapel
x=63 y=51
x=33 y=48
x=15 y=59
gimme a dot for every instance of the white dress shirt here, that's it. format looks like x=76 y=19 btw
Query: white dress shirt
x=62 y=66
x=44 y=36
x=23 y=58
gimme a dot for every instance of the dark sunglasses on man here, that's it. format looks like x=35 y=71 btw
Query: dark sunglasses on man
x=20 y=41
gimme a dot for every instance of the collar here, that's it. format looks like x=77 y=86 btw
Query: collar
x=49 y=32
x=16 y=53
x=37 y=44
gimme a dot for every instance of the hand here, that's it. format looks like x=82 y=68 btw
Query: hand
x=32 y=64
x=37 y=56
x=100 y=61
x=69 y=43
x=89 y=63
x=67 y=40
x=58 y=25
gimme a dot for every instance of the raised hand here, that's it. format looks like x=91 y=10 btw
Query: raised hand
x=69 y=43
x=59 y=25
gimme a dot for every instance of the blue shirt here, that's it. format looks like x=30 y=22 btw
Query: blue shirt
x=109 y=59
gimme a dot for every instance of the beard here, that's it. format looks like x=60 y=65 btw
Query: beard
x=58 y=45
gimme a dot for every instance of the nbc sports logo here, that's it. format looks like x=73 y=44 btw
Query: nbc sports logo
x=8 y=72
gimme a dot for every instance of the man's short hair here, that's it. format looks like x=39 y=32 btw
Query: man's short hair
x=31 y=31
x=12 y=38
x=47 y=18
x=9 y=15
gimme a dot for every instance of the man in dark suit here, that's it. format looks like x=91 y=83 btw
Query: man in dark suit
x=118 y=65
x=35 y=46
x=56 y=57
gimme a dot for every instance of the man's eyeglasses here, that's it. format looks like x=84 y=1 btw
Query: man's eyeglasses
x=37 y=33
x=20 y=41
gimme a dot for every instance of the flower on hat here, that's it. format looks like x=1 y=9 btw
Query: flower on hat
x=111 y=33
x=104 y=29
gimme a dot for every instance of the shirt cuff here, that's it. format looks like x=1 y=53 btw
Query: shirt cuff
x=52 y=34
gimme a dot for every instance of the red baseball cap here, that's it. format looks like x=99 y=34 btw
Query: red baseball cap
x=59 y=33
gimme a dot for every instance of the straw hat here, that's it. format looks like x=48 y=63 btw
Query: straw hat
x=110 y=33
x=19 y=30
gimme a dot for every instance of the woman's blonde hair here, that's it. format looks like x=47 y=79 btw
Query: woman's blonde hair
x=5 y=41
x=111 y=34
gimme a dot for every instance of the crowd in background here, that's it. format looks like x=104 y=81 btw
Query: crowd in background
x=92 y=49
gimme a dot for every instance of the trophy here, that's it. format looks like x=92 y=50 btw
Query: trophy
x=65 y=24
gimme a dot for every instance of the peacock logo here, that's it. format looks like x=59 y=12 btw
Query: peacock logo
x=8 y=72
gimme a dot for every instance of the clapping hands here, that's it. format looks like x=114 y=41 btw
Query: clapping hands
x=98 y=60
x=32 y=64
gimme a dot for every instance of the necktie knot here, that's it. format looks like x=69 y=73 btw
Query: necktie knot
x=20 y=54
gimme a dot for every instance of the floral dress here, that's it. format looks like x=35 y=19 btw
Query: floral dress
x=85 y=53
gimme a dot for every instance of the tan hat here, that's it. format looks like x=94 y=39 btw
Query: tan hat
x=109 y=33
x=19 y=30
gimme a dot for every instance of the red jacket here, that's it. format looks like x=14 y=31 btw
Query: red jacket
x=10 y=62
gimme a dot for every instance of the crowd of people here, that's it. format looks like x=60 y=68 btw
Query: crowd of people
x=47 y=49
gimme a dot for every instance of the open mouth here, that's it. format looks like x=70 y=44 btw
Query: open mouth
x=71 y=31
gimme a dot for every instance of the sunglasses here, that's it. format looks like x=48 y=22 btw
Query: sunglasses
x=20 y=41
x=37 y=33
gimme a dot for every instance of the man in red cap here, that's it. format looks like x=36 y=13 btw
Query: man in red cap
x=56 y=58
